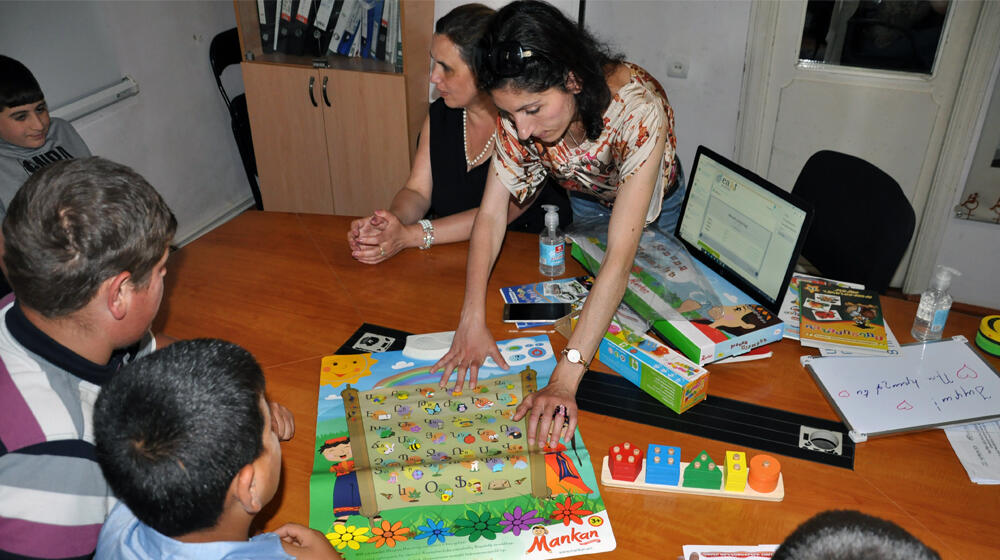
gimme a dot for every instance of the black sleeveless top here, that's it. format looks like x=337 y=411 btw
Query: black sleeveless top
x=457 y=190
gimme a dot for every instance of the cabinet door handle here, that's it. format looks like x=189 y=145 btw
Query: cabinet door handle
x=312 y=82
x=325 y=98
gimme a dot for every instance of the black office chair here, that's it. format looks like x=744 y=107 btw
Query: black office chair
x=224 y=51
x=862 y=223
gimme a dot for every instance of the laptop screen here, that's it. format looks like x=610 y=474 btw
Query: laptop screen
x=743 y=227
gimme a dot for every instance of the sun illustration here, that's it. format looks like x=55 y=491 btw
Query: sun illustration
x=337 y=370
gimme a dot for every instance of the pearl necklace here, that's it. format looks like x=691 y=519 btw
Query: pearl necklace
x=465 y=142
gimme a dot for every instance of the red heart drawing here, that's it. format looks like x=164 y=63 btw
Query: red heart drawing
x=966 y=373
x=904 y=406
x=844 y=394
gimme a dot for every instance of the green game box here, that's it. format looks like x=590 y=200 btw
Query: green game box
x=665 y=374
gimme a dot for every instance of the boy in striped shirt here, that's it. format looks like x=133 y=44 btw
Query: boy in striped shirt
x=86 y=244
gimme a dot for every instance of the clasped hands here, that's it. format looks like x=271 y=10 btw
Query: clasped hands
x=551 y=411
x=378 y=237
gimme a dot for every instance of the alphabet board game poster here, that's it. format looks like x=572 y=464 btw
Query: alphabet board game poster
x=404 y=469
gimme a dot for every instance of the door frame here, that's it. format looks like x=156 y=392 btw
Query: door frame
x=953 y=160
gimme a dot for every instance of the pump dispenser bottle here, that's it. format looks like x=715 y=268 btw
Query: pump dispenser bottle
x=934 y=306
x=551 y=244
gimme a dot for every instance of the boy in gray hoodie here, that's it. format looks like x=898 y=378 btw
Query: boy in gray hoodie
x=29 y=138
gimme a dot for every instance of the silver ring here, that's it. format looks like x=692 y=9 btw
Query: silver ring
x=381 y=251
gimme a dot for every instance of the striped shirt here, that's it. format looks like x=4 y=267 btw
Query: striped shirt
x=53 y=497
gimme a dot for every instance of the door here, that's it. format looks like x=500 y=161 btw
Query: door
x=367 y=140
x=896 y=119
x=286 y=119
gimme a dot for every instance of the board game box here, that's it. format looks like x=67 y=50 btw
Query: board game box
x=668 y=376
x=703 y=315
x=405 y=469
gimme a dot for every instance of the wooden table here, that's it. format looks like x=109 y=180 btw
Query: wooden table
x=285 y=287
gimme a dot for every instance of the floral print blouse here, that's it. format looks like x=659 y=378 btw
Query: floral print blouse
x=598 y=167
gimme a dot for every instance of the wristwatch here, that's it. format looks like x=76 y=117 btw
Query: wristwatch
x=574 y=356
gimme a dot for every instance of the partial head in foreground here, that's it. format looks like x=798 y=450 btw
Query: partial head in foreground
x=176 y=429
x=851 y=535
x=77 y=223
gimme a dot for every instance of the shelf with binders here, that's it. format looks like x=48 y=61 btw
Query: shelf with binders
x=334 y=134
x=416 y=26
x=351 y=36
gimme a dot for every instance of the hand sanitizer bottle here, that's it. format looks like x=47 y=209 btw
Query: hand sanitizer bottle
x=551 y=244
x=934 y=306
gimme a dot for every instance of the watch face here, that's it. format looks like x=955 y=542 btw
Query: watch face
x=573 y=355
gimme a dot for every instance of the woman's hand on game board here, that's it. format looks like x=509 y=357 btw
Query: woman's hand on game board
x=305 y=543
x=552 y=411
x=381 y=236
x=469 y=349
x=282 y=422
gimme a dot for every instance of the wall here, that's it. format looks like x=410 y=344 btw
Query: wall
x=710 y=36
x=971 y=247
x=175 y=132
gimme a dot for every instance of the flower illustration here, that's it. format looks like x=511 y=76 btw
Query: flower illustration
x=389 y=535
x=519 y=521
x=476 y=525
x=433 y=531
x=347 y=536
x=570 y=511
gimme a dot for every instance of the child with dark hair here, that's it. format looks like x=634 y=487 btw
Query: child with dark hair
x=29 y=138
x=188 y=442
x=86 y=245
x=851 y=535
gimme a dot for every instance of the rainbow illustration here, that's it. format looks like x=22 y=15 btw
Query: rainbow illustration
x=415 y=376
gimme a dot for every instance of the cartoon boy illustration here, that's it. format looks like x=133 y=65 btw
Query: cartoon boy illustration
x=729 y=321
x=346 y=496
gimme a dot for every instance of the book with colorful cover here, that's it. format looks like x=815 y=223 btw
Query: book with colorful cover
x=789 y=311
x=838 y=315
x=404 y=469
x=563 y=290
x=843 y=351
x=698 y=311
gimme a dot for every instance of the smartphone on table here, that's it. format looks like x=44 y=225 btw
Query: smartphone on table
x=535 y=312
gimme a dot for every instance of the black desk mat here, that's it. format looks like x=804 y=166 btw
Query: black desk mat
x=758 y=427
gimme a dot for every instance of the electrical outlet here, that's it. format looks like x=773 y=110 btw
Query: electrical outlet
x=677 y=69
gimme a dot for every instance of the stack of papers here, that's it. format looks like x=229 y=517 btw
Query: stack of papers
x=789 y=312
x=838 y=318
x=728 y=552
x=978 y=447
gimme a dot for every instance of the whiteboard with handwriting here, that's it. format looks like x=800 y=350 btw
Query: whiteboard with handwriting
x=926 y=386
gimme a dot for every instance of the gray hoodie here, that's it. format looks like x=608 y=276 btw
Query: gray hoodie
x=17 y=163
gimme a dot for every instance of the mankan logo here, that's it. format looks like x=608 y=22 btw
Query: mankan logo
x=576 y=538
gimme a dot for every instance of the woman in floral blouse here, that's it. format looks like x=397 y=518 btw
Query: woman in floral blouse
x=603 y=129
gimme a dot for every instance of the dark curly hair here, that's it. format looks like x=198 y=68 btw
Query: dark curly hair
x=558 y=46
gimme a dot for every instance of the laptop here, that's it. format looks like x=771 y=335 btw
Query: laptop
x=743 y=227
